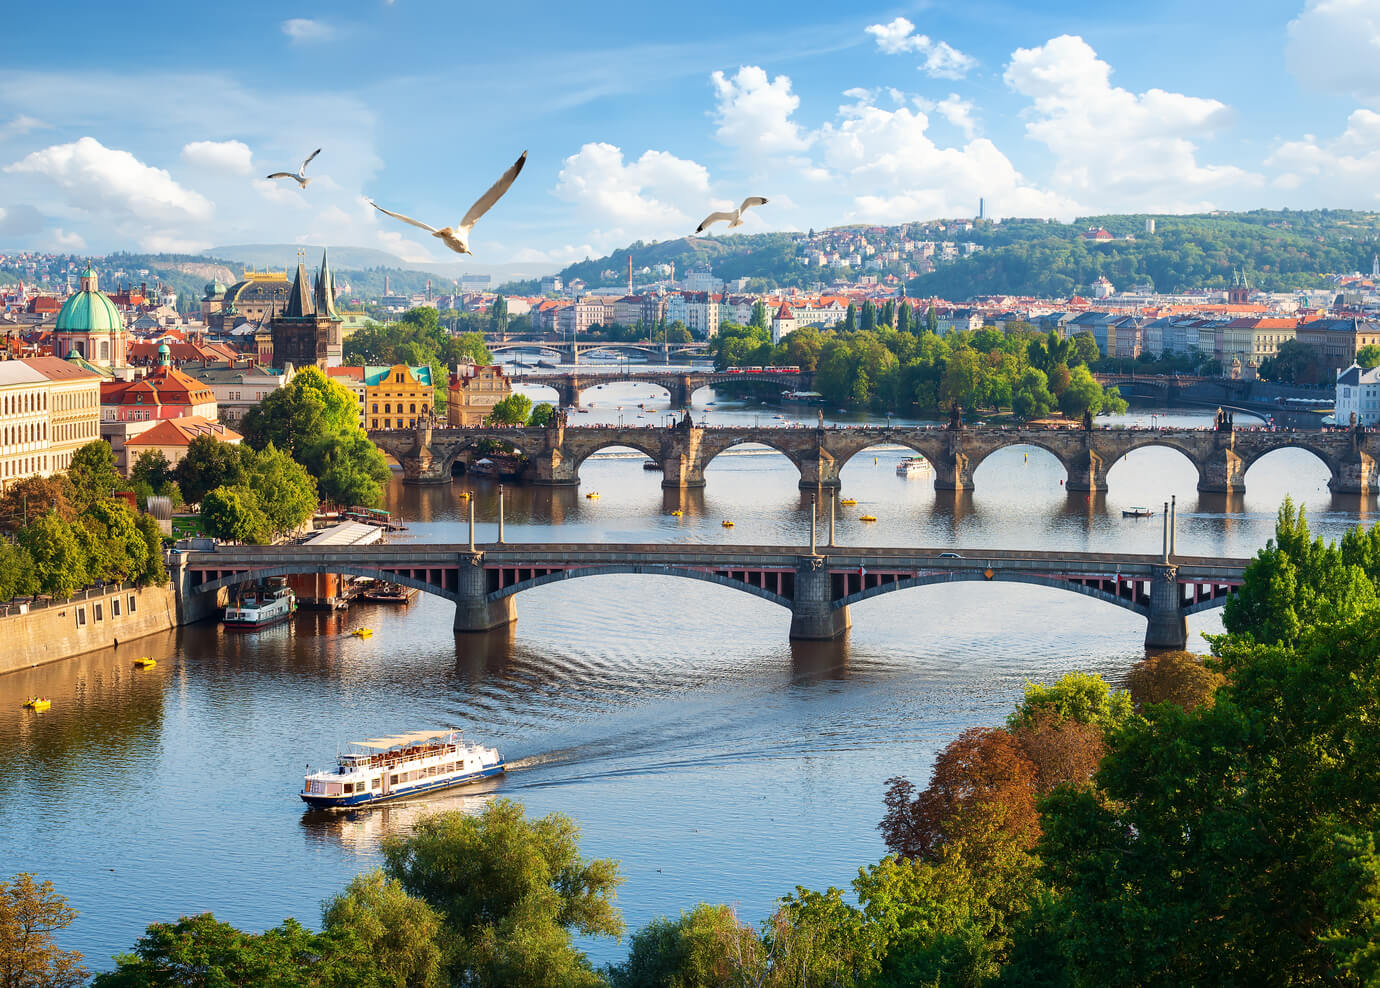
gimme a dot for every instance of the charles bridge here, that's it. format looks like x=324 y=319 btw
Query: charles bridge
x=553 y=455
x=817 y=585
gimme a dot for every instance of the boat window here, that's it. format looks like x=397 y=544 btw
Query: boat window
x=349 y=788
x=392 y=780
x=378 y=783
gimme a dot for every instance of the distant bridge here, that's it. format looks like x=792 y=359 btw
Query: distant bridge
x=818 y=587
x=571 y=350
x=554 y=454
x=679 y=385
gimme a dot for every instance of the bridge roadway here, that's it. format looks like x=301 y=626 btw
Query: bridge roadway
x=554 y=454
x=816 y=586
x=499 y=343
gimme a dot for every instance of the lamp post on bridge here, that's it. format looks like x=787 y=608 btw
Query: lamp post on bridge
x=500 y=514
x=814 y=510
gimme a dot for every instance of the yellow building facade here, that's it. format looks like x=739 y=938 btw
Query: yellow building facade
x=474 y=391
x=396 y=397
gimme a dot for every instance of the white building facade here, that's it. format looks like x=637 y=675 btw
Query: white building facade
x=1358 y=394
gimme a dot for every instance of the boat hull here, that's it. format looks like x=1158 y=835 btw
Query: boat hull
x=238 y=625
x=320 y=802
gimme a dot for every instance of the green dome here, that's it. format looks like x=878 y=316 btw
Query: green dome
x=88 y=312
x=215 y=289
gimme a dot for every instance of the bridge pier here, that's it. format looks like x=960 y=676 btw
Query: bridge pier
x=474 y=611
x=1167 y=627
x=421 y=465
x=1087 y=473
x=818 y=470
x=1222 y=472
x=953 y=472
x=1354 y=474
x=813 y=614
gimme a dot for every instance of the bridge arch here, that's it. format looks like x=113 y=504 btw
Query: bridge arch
x=1255 y=456
x=649 y=569
x=344 y=569
x=591 y=385
x=1025 y=440
x=455 y=451
x=710 y=454
x=1152 y=440
x=621 y=441
x=979 y=576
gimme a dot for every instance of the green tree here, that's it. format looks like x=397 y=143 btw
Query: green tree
x=498 y=314
x=285 y=492
x=209 y=464
x=92 y=474
x=26 y=499
x=701 y=949
x=469 y=346
x=512 y=891
x=59 y=558
x=512 y=410
x=850 y=318
x=303 y=419
x=931 y=320
x=152 y=468
x=1079 y=696
x=1368 y=356
x=30 y=915
x=904 y=314
x=759 y=314
x=18 y=572
x=401 y=935
x=543 y=415
x=353 y=471
x=120 y=551
x=233 y=514
x=869 y=317
x=1032 y=398
x=1085 y=350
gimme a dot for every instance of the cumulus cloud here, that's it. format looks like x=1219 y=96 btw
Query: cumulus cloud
x=754 y=111
x=68 y=241
x=894 y=171
x=1335 y=45
x=1346 y=167
x=652 y=197
x=304 y=30
x=1113 y=148
x=958 y=112
x=233 y=157
x=102 y=180
x=939 y=58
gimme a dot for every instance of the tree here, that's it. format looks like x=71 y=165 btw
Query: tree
x=303 y=418
x=1295 y=362
x=353 y=471
x=152 y=468
x=401 y=934
x=985 y=770
x=931 y=320
x=903 y=317
x=512 y=410
x=704 y=948
x=209 y=464
x=1063 y=750
x=869 y=317
x=498 y=314
x=233 y=514
x=542 y=416
x=1085 y=350
x=512 y=891
x=1079 y=696
x=468 y=345
x=30 y=915
x=285 y=492
x=759 y=315
x=1179 y=678
x=18 y=572
x=59 y=558
x=92 y=474
x=120 y=551
x=1032 y=398
x=850 y=318
x=1083 y=393
x=26 y=499
x=1368 y=356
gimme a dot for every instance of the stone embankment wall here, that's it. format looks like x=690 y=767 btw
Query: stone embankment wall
x=97 y=621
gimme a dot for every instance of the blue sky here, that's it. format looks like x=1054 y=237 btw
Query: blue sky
x=153 y=130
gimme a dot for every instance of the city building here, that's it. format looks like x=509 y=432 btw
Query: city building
x=90 y=324
x=1336 y=341
x=238 y=389
x=474 y=391
x=165 y=393
x=48 y=410
x=172 y=437
x=397 y=396
x=352 y=378
x=307 y=331
x=1358 y=396
x=783 y=324
x=257 y=297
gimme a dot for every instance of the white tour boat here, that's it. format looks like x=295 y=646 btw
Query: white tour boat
x=260 y=608
x=403 y=765
x=913 y=464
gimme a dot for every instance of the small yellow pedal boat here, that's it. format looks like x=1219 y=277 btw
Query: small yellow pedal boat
x=37 y=703
x=145 y=662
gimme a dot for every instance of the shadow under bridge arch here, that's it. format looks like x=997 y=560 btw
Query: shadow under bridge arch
x=775 y=585
x=1131 y=593
x=440 y=581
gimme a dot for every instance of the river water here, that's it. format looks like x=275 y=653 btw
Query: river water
x=672 y=719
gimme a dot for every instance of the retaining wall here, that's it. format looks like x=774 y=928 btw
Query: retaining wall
x=97 y=620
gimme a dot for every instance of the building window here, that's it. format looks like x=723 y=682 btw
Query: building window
x=115 y=607
x=97 y=609
x=81 y=617
x=131 y=603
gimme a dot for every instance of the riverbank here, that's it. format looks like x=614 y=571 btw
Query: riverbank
x=92 y=620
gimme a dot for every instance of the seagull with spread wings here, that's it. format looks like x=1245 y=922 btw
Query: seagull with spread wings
x=299 y=176
x=457 y=238
x=734 y=218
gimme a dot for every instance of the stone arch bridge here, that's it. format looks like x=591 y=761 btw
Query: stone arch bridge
x=680 y=385
x=554 y=454
x=817 y=588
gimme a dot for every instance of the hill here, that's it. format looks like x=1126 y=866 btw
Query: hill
x=1274 y=249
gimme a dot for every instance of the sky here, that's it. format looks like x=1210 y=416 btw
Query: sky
x=152 y=130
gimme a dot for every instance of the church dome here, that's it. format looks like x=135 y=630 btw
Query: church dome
x=215 y=289
x=89 y=310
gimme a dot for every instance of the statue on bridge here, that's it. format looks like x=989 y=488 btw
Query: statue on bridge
x=1087 y=420
x=955 y=416
x=686 y=422
x=1224 y=421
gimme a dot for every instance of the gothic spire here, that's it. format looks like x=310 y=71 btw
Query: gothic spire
x=300 y=298
x=325 y=289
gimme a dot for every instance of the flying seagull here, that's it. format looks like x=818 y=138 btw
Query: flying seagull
x=299 y=176
x=457 y=238
x=734 y=218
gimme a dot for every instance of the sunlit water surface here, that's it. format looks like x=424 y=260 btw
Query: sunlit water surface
x=672 y=719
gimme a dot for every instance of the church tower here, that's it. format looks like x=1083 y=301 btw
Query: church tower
x=307 y=332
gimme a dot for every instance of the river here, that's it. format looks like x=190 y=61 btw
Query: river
x=672 y=719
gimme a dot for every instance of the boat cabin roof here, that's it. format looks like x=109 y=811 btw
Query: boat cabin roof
x=414 y=737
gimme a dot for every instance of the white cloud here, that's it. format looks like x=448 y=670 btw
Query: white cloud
x=1346 y=168
x=20 y=126
x=650 y=198
x=754 y=112
x=102 y=180
x=958 y=112
x=1335 y=45
x=225 y=156
x=894 y=171
x=304 y=30
x=1115 y=149
x=940 y=59
x=559 y=256
x=68 y=241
